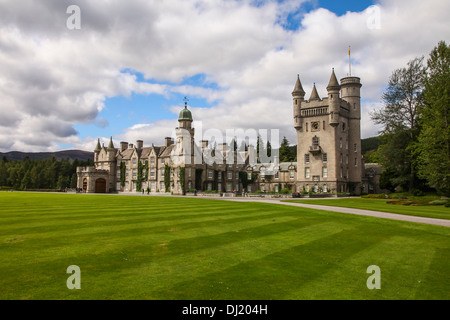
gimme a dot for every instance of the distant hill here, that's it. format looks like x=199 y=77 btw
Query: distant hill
x=370 y=144
x=71 y=154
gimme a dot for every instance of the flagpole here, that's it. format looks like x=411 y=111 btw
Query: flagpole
x=349 y=63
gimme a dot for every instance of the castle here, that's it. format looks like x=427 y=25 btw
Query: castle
x=329 y=157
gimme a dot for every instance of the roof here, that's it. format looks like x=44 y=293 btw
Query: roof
x=314 y=94
x=185 y=114
x=333 y=84
x=298 y=89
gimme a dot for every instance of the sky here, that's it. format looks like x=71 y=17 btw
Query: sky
x=121 y=69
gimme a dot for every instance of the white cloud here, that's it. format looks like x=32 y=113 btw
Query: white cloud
x=53 y=78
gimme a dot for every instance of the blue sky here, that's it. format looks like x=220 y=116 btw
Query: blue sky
x=122 y=112
x=125 y=72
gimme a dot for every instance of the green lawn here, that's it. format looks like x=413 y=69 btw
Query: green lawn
x=143 y=247
x=439 y=212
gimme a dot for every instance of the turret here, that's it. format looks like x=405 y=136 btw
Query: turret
x=298 y=96
x=350 y=92
x=97 y=150
x=111 y=151
x=333 y=89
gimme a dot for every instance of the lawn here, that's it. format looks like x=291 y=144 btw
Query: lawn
x=144 y=247
x=428 y=211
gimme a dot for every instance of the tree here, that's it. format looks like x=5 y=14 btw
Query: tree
x=269 y=149
x=399 y=116
x=286 y=152
x=167 y=177
x=434 y=138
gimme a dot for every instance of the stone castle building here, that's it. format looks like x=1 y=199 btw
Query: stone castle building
x=328 y=155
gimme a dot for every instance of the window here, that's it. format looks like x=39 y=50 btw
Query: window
x=307 y=127
x=230 y=175
x=356 y=162
x=323 y=125
x=162 y=187
x=355 y=147
x=210 y=175
x=189 y=172
x=340 y=159
x=152 y=160
x=152 y=173
x=219 y=176
x=324 y=157
x=325 y=189
x=229 y=187
x=237 y=175
x=134 y=161
x=262 y=188
x=219 y=186
x=354 y=106
x=315 y=142
x=153 y=186
x=277 y=174
x=209 y=186
x=341 y=172
x=134 y=173
x=340 y=143
x=118 y=186
x=249 y=176
x=307 y=172
x=307 y=158
x=324 y=172
x=291 y=174
x=276 y=188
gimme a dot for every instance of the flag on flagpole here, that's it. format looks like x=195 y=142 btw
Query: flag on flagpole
x=348 y=50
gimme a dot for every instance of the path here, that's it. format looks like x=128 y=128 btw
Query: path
x=379 y=214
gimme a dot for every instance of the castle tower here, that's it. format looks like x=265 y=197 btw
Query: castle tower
x=185 y=136
x=350 y=92
x=333 y=99
x=298 y=96
x=328 y=137
x=97 y=150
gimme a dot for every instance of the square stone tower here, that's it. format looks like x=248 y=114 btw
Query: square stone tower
x=329 y=137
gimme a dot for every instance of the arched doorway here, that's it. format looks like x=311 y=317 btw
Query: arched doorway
x=84 y=184
x=100 y=185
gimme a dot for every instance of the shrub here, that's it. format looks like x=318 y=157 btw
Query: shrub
x=439 y=202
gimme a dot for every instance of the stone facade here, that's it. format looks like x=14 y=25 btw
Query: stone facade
x=329 y=137
x=328 y=155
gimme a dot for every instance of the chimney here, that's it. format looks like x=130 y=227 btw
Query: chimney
x=204 y=144
x=123 y=146
x=130 y=146
x=168 y=141
x=251 y=155
x=223 y=147
x=139 y=144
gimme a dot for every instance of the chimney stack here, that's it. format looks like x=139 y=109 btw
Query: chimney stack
x=139 y=144
x=168 y=141
x=123 y=146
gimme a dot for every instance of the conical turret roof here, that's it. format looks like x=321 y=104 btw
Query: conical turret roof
x=333 y=84
x=111 y=144
x=298 y=89
x=314 y=94
x=98 y=147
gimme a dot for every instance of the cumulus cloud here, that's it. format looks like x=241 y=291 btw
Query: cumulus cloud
x=54 y=78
